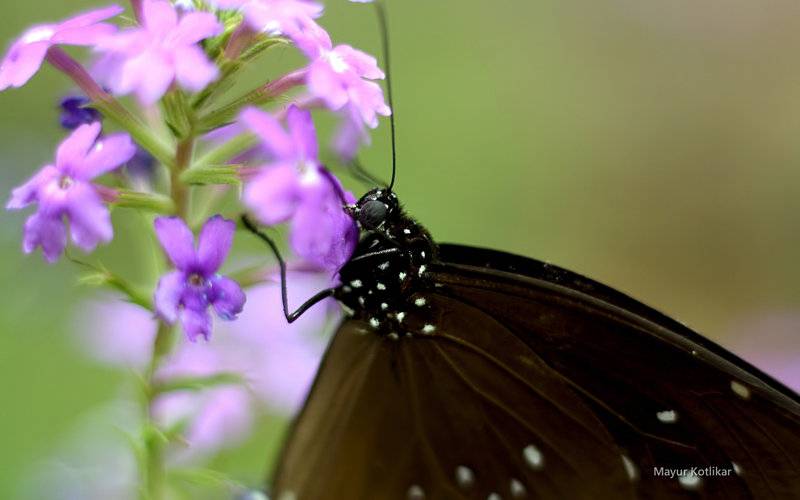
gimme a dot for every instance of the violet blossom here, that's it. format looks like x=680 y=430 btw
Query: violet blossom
x=164 y=49
x=26 y=55
x=294 y=185
x=75 y=111
x=64 y=190
x=341 y=76
x=275 y=17
x=194 y=286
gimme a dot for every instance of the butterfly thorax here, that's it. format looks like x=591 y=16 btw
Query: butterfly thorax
x=385 y=281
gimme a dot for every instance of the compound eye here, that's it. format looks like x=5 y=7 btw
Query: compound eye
x=372 y=214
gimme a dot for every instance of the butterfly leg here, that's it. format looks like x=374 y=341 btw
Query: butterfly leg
x=290 y=316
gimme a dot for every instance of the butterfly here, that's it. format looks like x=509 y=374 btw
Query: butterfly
x=469 y=373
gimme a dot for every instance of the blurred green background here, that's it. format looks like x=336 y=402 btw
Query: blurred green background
x=650 y=145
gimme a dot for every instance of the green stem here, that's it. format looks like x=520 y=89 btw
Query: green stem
x=153 y=472
x=222 y=154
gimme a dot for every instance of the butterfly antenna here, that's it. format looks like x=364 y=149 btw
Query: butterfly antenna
x=380 y=10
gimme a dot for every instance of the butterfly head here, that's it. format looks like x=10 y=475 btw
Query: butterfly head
x=375 y=208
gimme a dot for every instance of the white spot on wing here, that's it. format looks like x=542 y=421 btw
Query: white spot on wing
x=402 y=276
x=428 y=329
x=420 y=302
x=356 y=283
x=422 y=270
x=464 y=476
x=667 y=416
x=517 y=488
x=384 y=266
x=533 y=457
x=384 y=306
x=415 y=492
x=494 y=496
x=740 y=389
x=630 y=468
x=380 y=286
x=400 y=316
x=374 y=323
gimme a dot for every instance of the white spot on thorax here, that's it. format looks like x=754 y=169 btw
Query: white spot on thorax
x=415 y=492
x=400 y=316
x=533 y=457
x=517 y=488
x=380 y=286
x=464 y=476
x=740 y=389
x=422 y=254
x=384 y=266
x=630 y=468
x=384 y=306
x=420 y=302
x=406 y=231
x=667 y=416
x=347 y=289
x=361 y=300
x=356 y=283
x=374 y=323
x=402 y=276
x=428 y=328
x=422 y=270
x=690 y=481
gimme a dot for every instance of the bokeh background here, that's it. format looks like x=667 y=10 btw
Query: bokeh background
x=650 y=145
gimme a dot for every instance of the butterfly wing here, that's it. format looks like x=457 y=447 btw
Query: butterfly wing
x=534 y=385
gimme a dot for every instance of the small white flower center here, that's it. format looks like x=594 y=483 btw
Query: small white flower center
x=65 y=182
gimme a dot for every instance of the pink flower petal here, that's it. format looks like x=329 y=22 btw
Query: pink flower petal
x=193 y=70
x=274 y=195
x=89 y=18
x=195 y=323
x=303 y=133
x=160 y=17
x=194 y=27
x=269 y=130
x=227 y=297
x=27 y=193
x=21 y=63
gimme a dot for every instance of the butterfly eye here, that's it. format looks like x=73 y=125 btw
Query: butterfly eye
x=372 y=214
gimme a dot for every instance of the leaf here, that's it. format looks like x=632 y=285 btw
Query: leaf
x=149 y=202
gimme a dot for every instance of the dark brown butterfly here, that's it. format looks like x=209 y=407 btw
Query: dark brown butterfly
x=463 y=373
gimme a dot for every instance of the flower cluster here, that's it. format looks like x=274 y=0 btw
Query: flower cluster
x=156 y=126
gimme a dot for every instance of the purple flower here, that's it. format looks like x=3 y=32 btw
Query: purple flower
x=147 y=60
x=276 y=17
x=65 y=190
x=75 y=112
x=341 y=76
x=27 y=54
x=293 y=185
x=187 y=292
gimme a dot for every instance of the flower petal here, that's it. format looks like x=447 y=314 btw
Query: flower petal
x=274 y=195
x=364 y=65
x=160 y=16
x=196 y=323
x=27 y=193
x=194 y=27
x=71 y=152
x=177 y=241
x=21 y=63
x=90 y=221
x=88 y=35
x=149 y=75
x=323 y=234
x=303 y=133
x=269 y=130
x=227 y=297
x=106 y=155
x=91 y=17
x=47 y=232
x=167 y=298
x=325 y=83
x=193 y=70
x=214 y=243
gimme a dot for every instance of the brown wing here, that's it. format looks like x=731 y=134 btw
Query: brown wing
x=532 y=389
